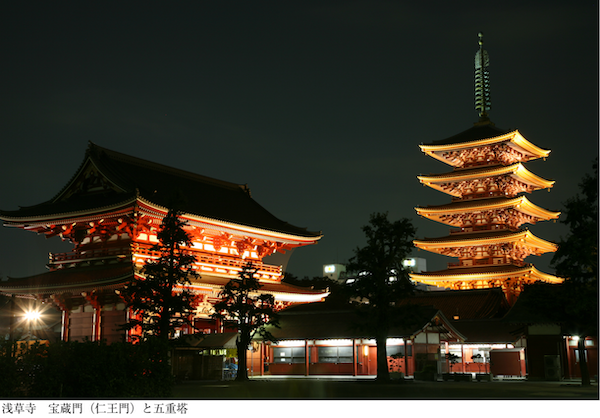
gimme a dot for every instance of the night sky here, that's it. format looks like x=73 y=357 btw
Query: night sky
x=318 y=106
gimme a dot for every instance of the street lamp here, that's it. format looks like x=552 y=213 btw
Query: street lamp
x=31 y=316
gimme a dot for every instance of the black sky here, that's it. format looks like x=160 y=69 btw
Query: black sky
x=318 y=106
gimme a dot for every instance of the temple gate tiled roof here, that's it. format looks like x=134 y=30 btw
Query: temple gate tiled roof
x=122 y=178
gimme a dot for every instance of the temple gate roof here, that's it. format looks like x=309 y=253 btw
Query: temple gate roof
x=107 y=178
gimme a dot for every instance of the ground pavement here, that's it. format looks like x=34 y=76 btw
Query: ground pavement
x=339 y=388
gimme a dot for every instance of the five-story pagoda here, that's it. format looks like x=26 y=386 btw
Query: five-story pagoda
x=488 y=208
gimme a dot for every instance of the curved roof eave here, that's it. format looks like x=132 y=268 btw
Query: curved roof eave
x=520 y=202
x=511 y=136
x=237 y=227
x=517 y=170
x=480 y=273
x=66 y=216
x=482 y=238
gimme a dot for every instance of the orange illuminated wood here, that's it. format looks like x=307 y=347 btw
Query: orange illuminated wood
x=488 y=211
x=506 y=149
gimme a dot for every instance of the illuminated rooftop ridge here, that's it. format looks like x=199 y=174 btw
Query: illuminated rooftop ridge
x=484 y=273
x=514 y=139
x=526 y=238
x=521 y=203
x=517 y=170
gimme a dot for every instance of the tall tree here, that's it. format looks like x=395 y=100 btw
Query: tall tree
x=160 y=300
x=577 y=260
x=241 y=302
x=381 y=278
x=577 y=255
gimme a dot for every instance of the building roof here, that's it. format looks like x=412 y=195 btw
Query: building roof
x=517 y=171
x=220 y=340
x=483 y=135
x=76 y=279
x=106 y=178
x=466 y=304
x=526 y=312
x=324 y=320
x=476 y=132
x=113 y=276
x=479 y=313
x=488 y=331
x=500 y=236
x=484 y=272
x=282 y=291
x=520 y=203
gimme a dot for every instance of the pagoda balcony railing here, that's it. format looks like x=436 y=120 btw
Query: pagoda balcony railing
x=486 y=262
x=216 y=260
x=88 y=255
x=476 y=228
x=480 y=195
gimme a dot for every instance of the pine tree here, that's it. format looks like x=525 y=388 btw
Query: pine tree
x=241 y=303
x=381 y=279
x=160 y=300
x=577 y=255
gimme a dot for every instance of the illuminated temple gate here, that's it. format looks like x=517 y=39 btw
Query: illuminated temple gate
x=488 y=208
x=110 y=211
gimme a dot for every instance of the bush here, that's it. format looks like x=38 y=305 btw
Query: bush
x=87 y=370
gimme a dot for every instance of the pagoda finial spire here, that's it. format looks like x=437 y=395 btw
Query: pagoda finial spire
x=482 y=82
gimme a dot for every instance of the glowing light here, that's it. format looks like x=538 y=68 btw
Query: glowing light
x=366 y=350
x=291 y=343
x=334 y=342
x=409 y=262
x=330 y=268
x=32 y=315
x=296 y=297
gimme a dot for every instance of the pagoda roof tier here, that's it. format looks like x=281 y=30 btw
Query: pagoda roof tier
x=282 y=291
x=452 y=182
x=452 y=213
x=71 y=280
x=113 y=276
x=108 y=179
x=493 y=275
x=482 y=135
x=498 y=237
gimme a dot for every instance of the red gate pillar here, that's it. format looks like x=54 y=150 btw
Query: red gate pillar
x=306 y=358
x=354 y=359
x=65 y=326
x=262 y=357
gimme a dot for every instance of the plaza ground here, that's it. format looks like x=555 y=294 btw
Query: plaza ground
x=340 y=388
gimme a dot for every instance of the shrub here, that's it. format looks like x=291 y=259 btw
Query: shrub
x=87 y=370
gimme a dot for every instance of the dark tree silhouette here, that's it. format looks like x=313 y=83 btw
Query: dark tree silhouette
x=577 y=255
x=160 y=300
x=335 y=288
x=241 y=302
x=381 y=279
x=577 y=260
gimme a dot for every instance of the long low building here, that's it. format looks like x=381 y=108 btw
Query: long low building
x=324 y=339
